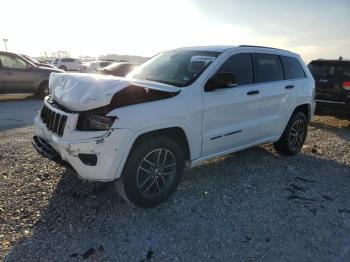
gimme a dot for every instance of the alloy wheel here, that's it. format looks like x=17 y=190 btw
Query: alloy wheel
x=297 y=135
x=156 y=172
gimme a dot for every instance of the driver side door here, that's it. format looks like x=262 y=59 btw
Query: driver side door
x=230 y=117
x=17 y=75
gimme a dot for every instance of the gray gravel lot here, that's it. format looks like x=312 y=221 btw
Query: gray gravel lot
x=249 y=206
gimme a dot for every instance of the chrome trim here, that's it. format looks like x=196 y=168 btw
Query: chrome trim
x=331 y=102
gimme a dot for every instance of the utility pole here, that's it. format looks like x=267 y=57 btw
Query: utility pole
x=5 y=41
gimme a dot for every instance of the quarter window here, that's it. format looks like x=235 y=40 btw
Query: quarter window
x=241 y=66
x=267 y=68
x=12 y=62
x=292 y=68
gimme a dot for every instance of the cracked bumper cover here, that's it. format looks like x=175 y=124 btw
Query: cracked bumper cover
x=110 y=149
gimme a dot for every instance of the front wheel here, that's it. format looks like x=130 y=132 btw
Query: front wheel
x=293 y=137
x=43 y=89
x=152 y=172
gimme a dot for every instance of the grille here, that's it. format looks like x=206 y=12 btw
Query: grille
x=54 y=121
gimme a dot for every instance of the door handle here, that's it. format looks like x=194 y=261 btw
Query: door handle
x=254 y=92
x=289 y=87
x=9 y=73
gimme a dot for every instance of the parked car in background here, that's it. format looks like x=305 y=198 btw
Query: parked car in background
x=19 y=75
x=96 y=65
x=332 y=79
x=118 y=69
x=35 y=62
x=178 y=109
x=69 y=64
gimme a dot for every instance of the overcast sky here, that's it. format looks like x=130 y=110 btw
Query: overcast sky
x=315 y=29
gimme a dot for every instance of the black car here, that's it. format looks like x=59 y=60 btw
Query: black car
x=332 y=79
x=118 y=69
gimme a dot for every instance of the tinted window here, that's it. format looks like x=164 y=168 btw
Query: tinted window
x=292 y=68
x=267 y=68
x=241 y=66
x=12 y=62
x=324 y=69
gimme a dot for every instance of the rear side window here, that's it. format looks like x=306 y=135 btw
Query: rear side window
x=267 y=68
x=241 y=66
x=292 y=68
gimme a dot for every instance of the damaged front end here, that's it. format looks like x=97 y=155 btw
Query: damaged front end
x=73 y=127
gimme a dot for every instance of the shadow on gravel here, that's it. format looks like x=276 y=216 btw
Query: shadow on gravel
x=250 y=206
x=343 y=133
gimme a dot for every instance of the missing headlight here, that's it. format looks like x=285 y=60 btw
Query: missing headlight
x=94 y=121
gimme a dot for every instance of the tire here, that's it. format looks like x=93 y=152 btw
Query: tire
x=43 y=89
x=63 y=68
x=152 y=172
x=293 y=137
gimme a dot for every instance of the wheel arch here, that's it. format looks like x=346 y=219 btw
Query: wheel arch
x=305 y=109
x=178 y=134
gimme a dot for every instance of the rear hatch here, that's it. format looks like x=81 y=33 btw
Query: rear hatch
x=332 y=78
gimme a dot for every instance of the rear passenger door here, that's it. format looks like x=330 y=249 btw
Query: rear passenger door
x=230 y=116
x=277 y=95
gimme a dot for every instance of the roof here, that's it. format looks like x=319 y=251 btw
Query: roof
x=212 y=48
x=330 y=60
x=8 y=53
x=222 y=48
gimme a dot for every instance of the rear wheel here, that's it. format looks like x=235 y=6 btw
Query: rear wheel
x=152 y=172
x=63 y=68
x=294 y=135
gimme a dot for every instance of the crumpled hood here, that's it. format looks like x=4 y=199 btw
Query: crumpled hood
x=81 y=92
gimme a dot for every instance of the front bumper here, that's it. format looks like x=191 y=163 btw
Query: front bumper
x=110 y=149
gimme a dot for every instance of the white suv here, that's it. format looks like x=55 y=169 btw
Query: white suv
x=176 y=110
x=69 y=64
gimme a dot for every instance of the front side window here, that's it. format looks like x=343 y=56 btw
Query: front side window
x=179 y=68
x=241 y=66
x=292 y=68
x=267 y=68
x=12 y=62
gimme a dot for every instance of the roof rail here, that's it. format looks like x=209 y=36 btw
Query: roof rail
x=259 y=46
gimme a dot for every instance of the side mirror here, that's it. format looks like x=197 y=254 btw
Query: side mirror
x=221 y=80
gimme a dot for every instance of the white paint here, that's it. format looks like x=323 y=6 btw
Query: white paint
x=201 y=115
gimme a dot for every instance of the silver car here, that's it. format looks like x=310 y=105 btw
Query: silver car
x=19 y=75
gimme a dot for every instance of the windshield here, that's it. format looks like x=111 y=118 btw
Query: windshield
x=179 y=68
x=31 y=59
x=113 y=66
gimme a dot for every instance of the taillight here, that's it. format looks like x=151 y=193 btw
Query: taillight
x=346 y=85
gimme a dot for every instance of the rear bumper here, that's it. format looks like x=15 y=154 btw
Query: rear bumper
x=329 y=103
x=110 y=149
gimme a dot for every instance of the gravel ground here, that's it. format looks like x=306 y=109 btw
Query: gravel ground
x=249 y=206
